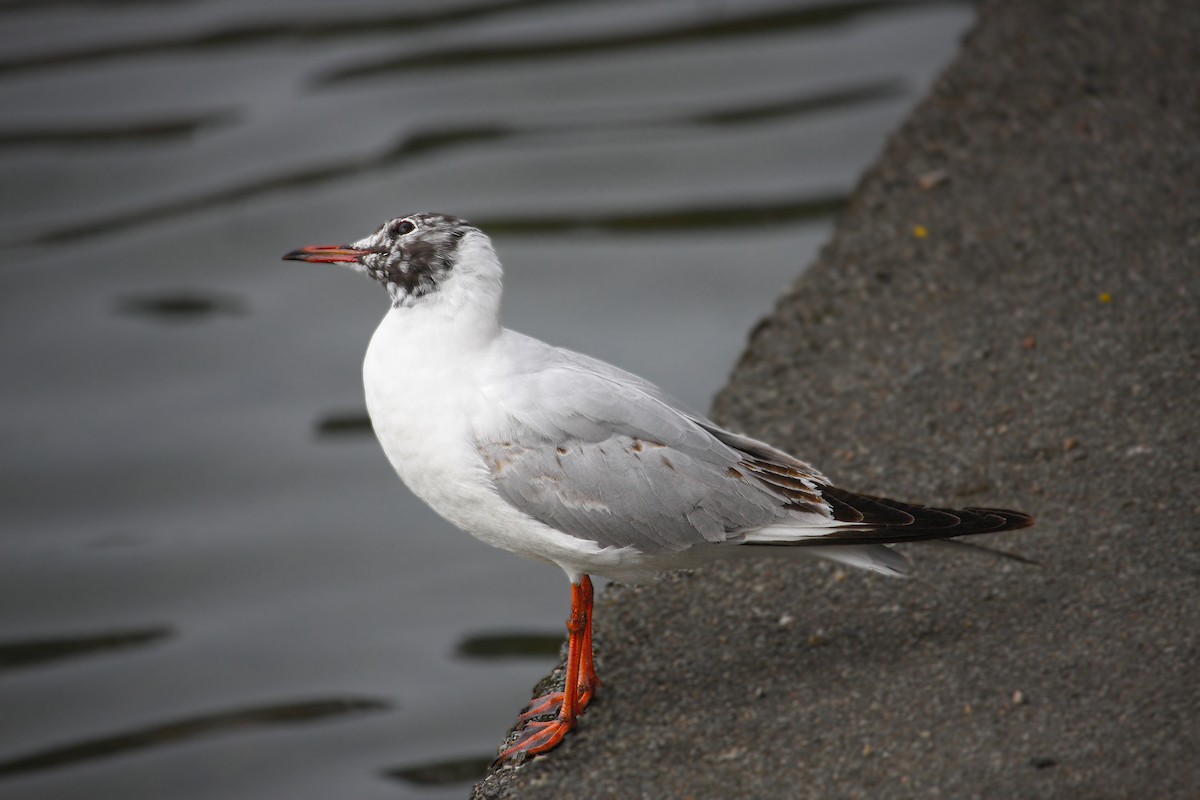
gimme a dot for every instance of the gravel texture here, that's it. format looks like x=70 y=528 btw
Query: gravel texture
x=1009 y=314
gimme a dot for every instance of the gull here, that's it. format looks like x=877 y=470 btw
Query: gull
x=565 y=459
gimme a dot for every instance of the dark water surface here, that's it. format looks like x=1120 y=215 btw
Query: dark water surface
x=211 y=583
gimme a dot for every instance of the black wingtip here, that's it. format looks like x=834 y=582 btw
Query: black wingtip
x=880 y=520
x=1013 y=520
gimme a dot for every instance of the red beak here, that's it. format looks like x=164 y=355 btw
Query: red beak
x=329 y=254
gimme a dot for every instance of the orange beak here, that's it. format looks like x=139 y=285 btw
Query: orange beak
x=330 y=254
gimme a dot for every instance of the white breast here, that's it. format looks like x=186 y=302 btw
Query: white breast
x=423 y=395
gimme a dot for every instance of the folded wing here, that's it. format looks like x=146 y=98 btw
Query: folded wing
x=602 y=455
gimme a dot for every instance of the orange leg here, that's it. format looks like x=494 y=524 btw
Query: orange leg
x=538 y=737
x=588 y=680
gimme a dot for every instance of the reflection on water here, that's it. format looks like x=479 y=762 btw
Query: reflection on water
x=179 y=731
x=451 y=771
x=180 y=305
x=195 y=517
x=677 y=219
x=32 y=652
x=509 y=645
x=281 y=28
x=344 y=423
x=711 y=26
x=424 y=143
x=135 y=133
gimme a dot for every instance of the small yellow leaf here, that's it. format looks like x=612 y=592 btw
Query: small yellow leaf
x=1105 y=297
x=920 y=231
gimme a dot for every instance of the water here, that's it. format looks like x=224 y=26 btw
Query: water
x=211 y=585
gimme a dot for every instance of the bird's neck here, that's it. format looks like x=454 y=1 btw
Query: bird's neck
x=438 y=326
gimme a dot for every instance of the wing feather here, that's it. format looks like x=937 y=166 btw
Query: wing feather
x=602 y=455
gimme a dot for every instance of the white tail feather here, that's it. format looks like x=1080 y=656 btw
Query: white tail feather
x=874 y=557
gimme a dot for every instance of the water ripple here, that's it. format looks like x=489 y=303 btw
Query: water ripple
x=801 y=106
x=711 y=27
x=260 y=33
x=191 y=728
x=30 y=652
x=509 y=645
x=441 y=139
x=185 y=305
x=686 y=218
x=344 y=423
x=443 y=773
x=132 y=133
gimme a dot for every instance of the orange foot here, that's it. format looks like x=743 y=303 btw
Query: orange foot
x=552 y=702
x=538 y=737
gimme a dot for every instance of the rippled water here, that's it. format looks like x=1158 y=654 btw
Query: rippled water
x=211 y=585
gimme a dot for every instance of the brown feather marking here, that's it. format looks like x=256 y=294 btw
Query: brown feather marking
x=787 y=481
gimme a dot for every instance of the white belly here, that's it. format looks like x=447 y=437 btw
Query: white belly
x=420 y=421
x=422 y=410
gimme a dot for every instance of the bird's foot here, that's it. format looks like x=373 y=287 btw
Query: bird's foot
x=552 y=702
x=580 y=682
x=538 y=737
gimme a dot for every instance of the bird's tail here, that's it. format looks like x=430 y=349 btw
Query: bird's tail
x=879 y=520
x=863 y=526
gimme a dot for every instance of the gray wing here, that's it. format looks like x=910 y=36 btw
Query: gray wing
x=602 y=455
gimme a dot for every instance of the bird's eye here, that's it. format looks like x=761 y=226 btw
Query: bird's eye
x=402 y=227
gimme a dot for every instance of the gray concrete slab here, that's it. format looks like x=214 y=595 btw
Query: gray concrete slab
x=1009 y=314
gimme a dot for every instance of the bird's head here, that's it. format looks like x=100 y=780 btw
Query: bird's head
x=419 y=258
